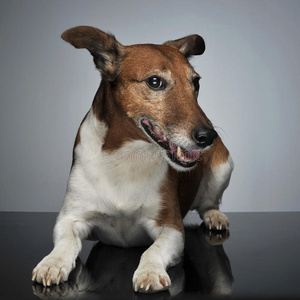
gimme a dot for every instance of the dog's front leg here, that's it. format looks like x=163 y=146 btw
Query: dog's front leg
x=151 y=275
x=218 y=167
x=56 y=267
x=209 y=196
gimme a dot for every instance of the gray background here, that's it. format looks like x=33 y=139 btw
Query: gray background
x=250 y=90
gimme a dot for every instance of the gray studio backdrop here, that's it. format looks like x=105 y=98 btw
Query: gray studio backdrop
x=250 y=89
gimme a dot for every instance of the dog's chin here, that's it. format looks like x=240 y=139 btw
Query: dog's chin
x=178 y=157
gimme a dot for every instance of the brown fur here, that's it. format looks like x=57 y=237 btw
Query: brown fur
x=177 y=104
x=170 y=210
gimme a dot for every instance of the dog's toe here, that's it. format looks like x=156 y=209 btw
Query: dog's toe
x=215 y=220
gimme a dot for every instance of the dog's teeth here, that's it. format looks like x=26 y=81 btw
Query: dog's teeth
x=164 y=138
x=178 y=152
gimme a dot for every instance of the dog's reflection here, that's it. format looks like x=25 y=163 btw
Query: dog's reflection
x=108 y=271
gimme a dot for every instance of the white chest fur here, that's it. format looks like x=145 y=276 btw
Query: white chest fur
x=115 y=192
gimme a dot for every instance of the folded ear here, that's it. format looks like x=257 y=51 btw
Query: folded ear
x=189 y=45
x=105 y=49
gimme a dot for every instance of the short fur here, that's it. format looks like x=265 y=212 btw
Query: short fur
x=142 y=158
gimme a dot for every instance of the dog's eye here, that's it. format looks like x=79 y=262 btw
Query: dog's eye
x=156 y=83
x=196 y=83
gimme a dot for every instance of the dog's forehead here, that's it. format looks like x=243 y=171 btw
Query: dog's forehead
x=144 y=58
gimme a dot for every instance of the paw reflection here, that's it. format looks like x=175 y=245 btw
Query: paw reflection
x=207 y=266
x=215 y=237
x=63 y=290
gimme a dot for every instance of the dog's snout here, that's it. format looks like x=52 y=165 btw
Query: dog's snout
x=204 y=137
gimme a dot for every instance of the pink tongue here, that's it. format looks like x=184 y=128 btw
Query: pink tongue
x=192 y=155
x=146 y=122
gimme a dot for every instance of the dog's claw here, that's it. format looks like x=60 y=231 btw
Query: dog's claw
x=163 y=281
x=34 y=276
x=58 y=278
x=49 y=281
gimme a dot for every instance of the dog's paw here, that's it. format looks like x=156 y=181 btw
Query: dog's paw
x=215 y=220
x=52 y=270
x=150 y=279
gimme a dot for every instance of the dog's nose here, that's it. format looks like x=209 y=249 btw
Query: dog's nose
x=204 y=137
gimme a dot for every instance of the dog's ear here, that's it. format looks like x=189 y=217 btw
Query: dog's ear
x=189 y=45
x=105 y=49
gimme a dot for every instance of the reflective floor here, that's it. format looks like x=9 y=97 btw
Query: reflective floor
x=258 y=258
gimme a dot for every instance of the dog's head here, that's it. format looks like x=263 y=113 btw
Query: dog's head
x=157 y=88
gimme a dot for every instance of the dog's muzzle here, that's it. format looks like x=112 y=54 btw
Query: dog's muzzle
x=179 y=155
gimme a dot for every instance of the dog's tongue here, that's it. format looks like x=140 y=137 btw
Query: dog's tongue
x=193 y=155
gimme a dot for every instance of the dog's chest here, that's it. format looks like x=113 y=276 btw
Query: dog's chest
x=128 y=196
x=128 y=181
x=117 y=192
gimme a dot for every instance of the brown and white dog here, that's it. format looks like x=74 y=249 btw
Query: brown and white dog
x=145 y=154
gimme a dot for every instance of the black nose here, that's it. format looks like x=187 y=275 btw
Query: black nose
x=204 y=137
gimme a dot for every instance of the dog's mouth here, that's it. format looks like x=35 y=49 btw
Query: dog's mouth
x=177 y=154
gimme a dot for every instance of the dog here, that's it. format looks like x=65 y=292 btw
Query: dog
x=144 y=155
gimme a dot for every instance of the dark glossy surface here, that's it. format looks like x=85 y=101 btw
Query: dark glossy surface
x=259 y=259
